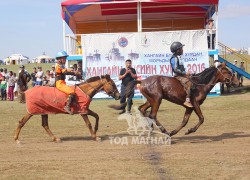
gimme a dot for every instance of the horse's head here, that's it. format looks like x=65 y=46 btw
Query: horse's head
x=110 y=88
x=226 y=76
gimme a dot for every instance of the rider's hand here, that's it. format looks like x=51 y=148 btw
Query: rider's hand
x=188 y=74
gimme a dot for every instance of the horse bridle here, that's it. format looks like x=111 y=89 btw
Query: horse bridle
x=229 y=79
x=110 y=92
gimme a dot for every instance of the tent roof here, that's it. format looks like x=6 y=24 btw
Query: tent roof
x=98 y=16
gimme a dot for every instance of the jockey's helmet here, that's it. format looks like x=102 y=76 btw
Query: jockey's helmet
x=61 y=54
x=175 y=46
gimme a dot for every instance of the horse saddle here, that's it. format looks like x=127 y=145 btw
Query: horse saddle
x=49 y=100
x=183 y=79
x=186 y=81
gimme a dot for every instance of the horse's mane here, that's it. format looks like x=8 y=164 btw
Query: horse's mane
x=205 y=76
x=92 y=79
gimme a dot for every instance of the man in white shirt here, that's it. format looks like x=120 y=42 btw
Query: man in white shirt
x=210 y=33
x=39 y=76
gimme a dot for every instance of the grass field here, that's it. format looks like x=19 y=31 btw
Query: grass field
x=220 y=149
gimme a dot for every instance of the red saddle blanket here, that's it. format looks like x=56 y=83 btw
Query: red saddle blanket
x=49 y=100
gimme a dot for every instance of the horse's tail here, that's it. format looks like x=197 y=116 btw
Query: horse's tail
x=118 y=107
x=130 y=87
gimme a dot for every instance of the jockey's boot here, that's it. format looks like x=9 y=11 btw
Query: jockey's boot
x=69 y=103
x=187 y=103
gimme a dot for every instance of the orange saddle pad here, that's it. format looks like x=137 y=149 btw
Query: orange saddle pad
x=49 y=100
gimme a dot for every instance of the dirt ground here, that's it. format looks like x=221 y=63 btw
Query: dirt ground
x=220 y=149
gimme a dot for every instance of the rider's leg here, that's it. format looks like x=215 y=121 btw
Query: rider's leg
x=61 y=85
x=187 y=88
x=71 y=98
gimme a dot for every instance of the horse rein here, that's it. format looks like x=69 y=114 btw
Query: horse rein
x=110 y=92
x=229 y=79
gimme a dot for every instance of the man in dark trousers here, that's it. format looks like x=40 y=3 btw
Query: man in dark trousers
x=33 y=76
x=23 y=79
x=127 y=75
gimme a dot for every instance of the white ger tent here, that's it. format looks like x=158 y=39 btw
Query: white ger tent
x=17 y=59
x=43 y=59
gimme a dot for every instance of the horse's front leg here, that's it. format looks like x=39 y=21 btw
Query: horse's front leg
x=88 y=124
x=155 y=107
x=184 y=122
x=45 y=125
x=95 y=115
x=22 y=122
x=197 y=110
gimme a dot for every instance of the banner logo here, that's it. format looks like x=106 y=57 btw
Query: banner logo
x=123 y=42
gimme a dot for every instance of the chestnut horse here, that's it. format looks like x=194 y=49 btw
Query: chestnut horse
x=156 y=88
x=90 y=87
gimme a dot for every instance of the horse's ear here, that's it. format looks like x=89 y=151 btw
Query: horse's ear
x=223 y=64
x=107 y=76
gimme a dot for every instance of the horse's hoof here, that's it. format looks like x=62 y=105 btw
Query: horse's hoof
x=167 y=133
x=188 y=132
x=18 y=142
x=172 y=133
x=57 y=140
x=164 y=131
x=98 y=139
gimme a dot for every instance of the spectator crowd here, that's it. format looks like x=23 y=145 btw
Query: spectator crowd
x=13 y=85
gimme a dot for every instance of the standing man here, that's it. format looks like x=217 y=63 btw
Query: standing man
x=52 y=76
x=127 y=75
x=240 y=76
x=61 y=72
x=23 y=79
x=53 y=70
x=235 y=64
x=210 y=33
x=39 y=76
x=179 y=71
x=1 y=74
x=79 y=74
x=79 y=64
x=5 y=72
x=33 y=76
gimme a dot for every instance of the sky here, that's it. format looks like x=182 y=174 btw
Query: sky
x=32 y=27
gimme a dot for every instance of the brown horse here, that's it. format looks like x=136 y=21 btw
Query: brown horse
x=156 y=88
x=90 y=87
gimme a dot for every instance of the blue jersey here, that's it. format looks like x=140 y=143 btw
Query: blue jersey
x=177 y=65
